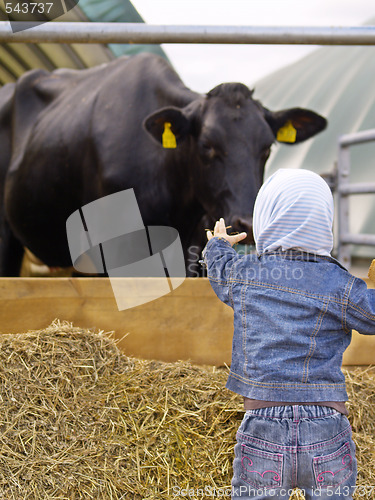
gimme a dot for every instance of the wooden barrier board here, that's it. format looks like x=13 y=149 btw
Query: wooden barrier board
x=188 y=323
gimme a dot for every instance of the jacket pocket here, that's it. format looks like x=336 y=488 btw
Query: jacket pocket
x=261 y=468
x=335 y=468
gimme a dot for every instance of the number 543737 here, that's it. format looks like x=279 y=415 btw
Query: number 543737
x=28 y=7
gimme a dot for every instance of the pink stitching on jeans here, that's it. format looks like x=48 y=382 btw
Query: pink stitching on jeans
x=279 y=448
x=320 y=477
x=276 y=477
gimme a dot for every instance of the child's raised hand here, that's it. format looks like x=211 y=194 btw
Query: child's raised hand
x=221 y=231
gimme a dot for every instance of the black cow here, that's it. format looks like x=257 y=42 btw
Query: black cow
x=72 y=136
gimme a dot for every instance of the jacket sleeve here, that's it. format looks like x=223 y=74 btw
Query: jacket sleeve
x=219 y=257
x=360 y=310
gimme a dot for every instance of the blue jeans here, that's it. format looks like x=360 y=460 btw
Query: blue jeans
x=284 y=447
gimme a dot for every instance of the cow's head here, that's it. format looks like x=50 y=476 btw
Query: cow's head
x=229 y=138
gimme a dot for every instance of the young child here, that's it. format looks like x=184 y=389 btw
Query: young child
x=294 y=309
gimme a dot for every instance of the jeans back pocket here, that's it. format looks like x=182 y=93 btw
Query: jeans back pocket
x=261 y=468
x=335 y=468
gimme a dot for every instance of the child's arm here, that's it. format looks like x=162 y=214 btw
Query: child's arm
x=219 y=257
x=360 y=310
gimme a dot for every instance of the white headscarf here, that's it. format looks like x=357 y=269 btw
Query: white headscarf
x=294 y=209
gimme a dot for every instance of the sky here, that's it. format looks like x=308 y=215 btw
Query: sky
x=203 y=66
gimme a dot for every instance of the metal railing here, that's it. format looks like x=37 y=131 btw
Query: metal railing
x=86 y=32
x=344 y=190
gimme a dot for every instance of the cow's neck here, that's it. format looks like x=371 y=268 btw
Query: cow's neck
x=183 y=211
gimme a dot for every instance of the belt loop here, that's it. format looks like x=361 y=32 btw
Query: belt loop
x=295 y=413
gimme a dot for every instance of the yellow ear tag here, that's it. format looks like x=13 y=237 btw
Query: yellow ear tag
x=169 y=139
x=287 y=133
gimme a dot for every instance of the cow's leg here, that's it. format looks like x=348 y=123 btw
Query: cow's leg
x=11 y=253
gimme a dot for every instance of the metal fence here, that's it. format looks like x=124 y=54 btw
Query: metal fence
x=344 y=190
x=77 y=32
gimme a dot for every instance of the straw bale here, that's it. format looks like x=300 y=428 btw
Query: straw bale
x=81 y=420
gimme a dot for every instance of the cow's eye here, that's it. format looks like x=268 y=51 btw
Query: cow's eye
x=208 y=151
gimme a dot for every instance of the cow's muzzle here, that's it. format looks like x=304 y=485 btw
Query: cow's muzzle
x=243 y=224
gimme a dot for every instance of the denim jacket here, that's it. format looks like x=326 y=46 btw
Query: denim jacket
x=293 y=316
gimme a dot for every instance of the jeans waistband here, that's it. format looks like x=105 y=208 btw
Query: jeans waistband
x=294 y=412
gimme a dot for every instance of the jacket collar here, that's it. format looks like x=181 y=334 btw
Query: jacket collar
x=299 y=255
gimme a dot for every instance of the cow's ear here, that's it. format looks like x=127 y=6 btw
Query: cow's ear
x=169 y=126
x=295 y=125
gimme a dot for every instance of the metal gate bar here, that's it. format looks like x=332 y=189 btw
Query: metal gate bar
x=344 y=189
x=73 y=32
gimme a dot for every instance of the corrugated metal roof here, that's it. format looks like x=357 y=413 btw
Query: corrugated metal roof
x=16 y=58
x=339 y=83
x=116 y=11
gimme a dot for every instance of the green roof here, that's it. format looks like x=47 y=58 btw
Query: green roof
x=337 y=82
x=116 y=11
x=16 y=58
